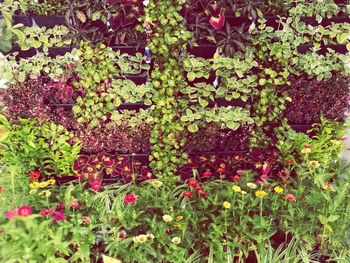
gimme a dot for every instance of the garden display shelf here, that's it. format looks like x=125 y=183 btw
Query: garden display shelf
x=191 y=176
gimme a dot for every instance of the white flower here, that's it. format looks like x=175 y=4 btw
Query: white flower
x=167 y=218
x=145 y=2
x=176 y=240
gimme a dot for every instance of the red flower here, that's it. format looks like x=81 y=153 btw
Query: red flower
x=309 y=146
x=74 y=204
x=187 y=194
x=96 y=186
x=217 y=22
x=290 y=197
x=236 y=178
x=58 y=217
x=260 y=182
x=198 y=188
x=130 y=198
x=192 y=183
x=86 y=220
x=203 y=194
x=207 y=174
x=35 y=175
x=1 y=189
x=290 y=161
x=47 y=211
x=24 y=211
x=11 y=214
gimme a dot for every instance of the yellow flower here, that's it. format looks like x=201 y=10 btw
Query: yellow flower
x=314 y=164
x=110 y=260
x=278 y=189
x=236 y=188
x=289 y=99
x=176 y=240
x=328 y=187
x=226 y=205
x=45 y=193
x=177 y=226
x=34 y=185
x=51 y=181
x=305 y=150
x=156 y=183
x=179 y=218
x=260 y=193
x=43 y=184
x=167 y=218
x=336 y=142
x=141 y=238
x=252 y=185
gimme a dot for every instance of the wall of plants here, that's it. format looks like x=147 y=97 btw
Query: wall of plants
x=175 y=131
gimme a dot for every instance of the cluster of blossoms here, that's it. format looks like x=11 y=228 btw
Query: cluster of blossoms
x=143 y=238
x=39 y=185
x=21 y=211
x=57 y=214
x=193 y=184
x=258 y=193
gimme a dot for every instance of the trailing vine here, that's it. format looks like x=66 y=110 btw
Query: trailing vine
x=166 y=44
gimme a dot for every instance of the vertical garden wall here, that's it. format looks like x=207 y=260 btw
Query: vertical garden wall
x=174 y=131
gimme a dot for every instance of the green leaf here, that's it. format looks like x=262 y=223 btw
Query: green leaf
x=341 y=39
x=191 y=76
x=333 y=218
x=193 y=128
x=232 y=125
x=348 y=46
x=221 y=91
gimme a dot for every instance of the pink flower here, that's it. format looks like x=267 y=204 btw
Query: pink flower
x=236 y=178
x=86 y=220
x=130 y=198
x=60 y=207
x=24 y=211
x=74 y=204
x=96 y=186
x=11 y=214
x=290 y=197
x=58 y=217
x=47 y=211
x=207 y=174
x=122 y=234
x=240 y=172
x=79 y=176
x=217 y=22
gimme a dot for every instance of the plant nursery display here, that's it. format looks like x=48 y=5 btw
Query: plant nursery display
x=175 y=131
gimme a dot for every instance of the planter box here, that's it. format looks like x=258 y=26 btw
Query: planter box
x=137 y=79
x=25 y=20
x=204 y=51
x=222 y=102
x=338 y=48
x=210 y=80
x=59 y=51
x=131 y=50
x=49 y=21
